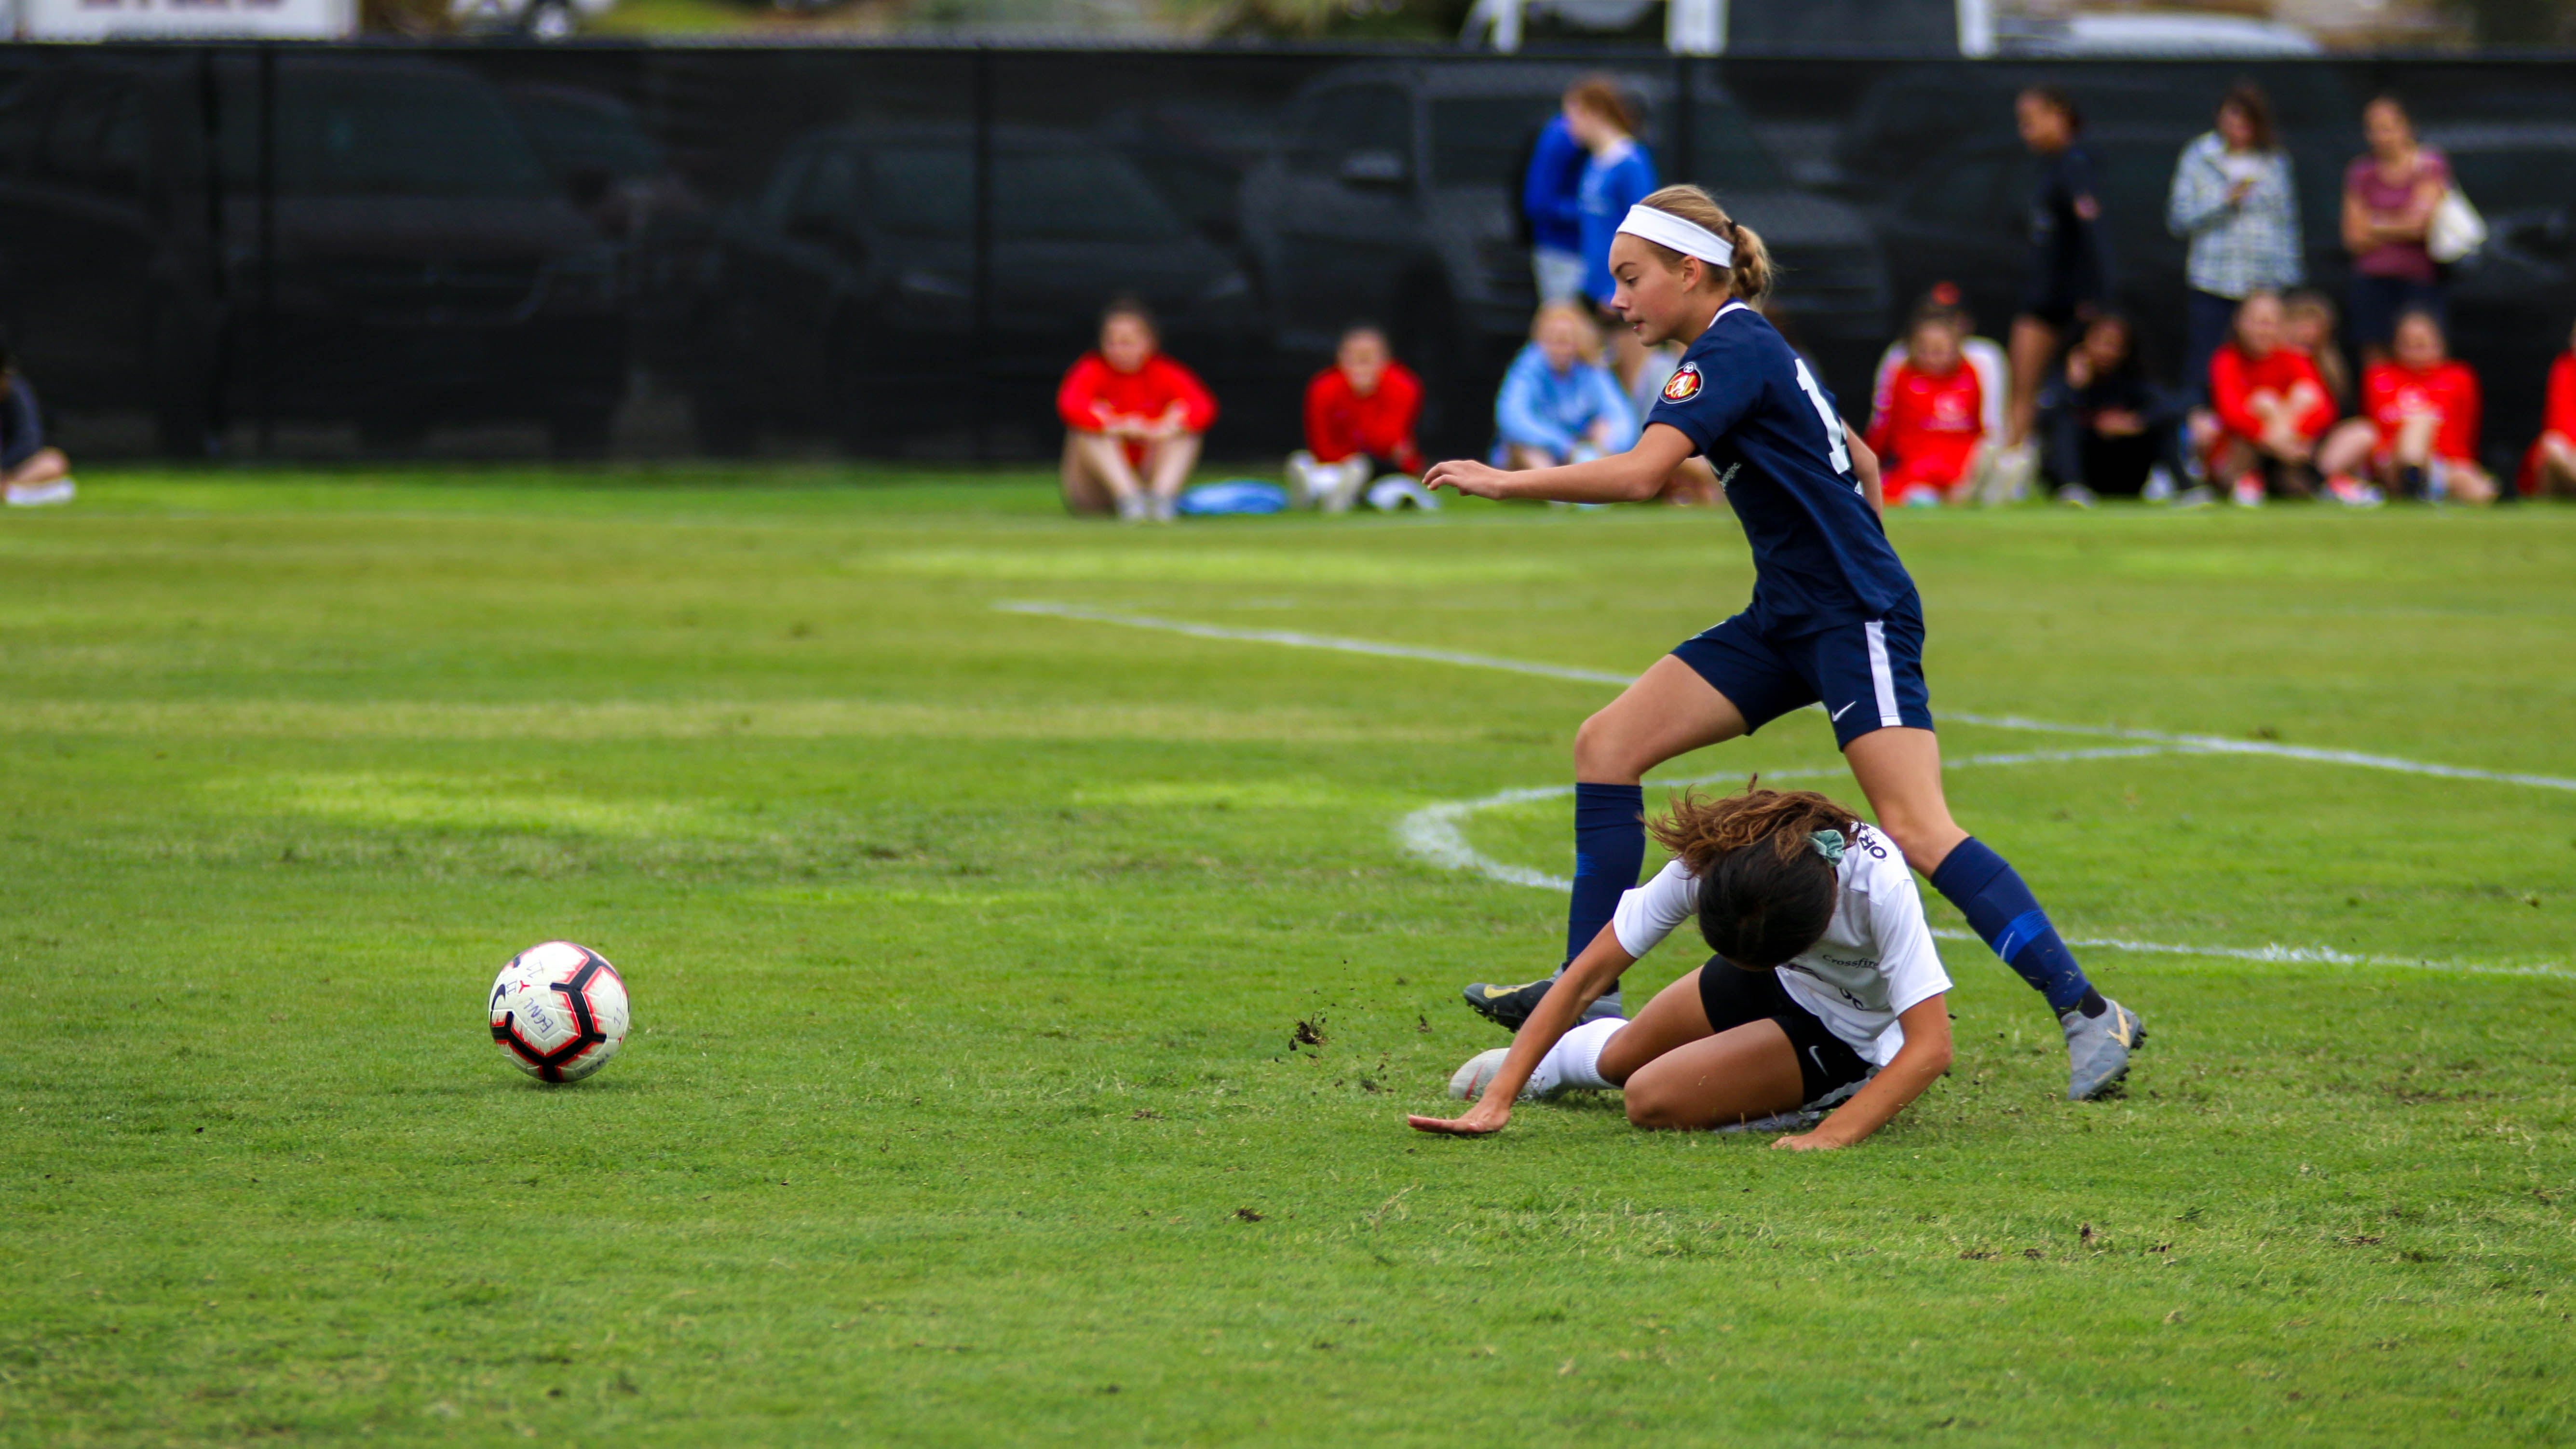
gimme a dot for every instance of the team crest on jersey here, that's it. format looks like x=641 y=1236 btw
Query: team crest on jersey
x=1683 y=385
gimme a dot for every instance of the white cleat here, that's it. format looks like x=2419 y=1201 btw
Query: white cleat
x=40 y=495
x=1470 y=1081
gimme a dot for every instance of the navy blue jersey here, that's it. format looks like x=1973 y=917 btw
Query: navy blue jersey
x=1752 y=408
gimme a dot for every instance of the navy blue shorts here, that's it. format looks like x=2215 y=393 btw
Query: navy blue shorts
x=1868 y=676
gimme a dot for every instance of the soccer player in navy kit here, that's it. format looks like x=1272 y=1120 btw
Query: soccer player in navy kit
x=1834 y=617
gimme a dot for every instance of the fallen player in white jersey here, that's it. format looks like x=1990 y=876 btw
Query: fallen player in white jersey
x=1825 y=992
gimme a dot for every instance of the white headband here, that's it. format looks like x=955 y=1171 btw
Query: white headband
x=1687 y=237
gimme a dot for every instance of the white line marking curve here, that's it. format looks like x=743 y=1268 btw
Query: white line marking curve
x=1433 y=835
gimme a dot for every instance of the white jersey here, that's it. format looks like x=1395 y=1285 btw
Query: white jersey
x=1875 y=960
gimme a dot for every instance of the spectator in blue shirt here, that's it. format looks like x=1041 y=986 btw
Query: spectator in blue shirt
x=35 y=472
x=1604 y=122
x=1551 y=201
x=1558 y=403
x=1619 y=175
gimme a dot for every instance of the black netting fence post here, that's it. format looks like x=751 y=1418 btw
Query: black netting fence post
x=216 y=355
x=982 y=279
x=1680 y=162
x=267 y=258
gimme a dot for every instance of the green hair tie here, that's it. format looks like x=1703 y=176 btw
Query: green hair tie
x=1829 y=844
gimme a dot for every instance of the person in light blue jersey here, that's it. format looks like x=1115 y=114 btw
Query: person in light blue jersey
x=1558 y=404
x=1834 y=620
x=1619 y=174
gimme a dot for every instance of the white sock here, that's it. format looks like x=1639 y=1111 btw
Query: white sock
x=1575 y=1060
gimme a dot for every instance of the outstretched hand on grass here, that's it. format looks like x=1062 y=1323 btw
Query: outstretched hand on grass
x=1483 y=1119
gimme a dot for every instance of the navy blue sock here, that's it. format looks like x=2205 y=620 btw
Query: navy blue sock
x=1609 y=845
x=2004 y=913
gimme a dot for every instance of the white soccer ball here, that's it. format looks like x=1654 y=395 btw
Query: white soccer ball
x=559 y=1011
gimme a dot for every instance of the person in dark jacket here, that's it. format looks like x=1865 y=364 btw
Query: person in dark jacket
x=2104 y=427
x=36 y=473
x=2070 y=273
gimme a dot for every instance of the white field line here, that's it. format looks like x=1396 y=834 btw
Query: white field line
x=1432 y=834
x=1295 y=640
x=2209 y=744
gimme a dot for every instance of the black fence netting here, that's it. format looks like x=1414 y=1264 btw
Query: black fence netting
x=312 y=252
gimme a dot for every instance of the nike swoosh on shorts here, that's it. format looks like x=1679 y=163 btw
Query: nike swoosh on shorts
x=1836 y=716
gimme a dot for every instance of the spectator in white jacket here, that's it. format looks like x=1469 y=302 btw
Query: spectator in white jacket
x=2235 y=201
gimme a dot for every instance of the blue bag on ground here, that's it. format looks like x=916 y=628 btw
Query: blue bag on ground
x=1234 y=495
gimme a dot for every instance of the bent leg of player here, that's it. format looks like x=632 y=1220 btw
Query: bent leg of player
x=1761 y=1060
x=1900 y=771
x=1871 y=678
x=1670 y=710
x=1607 y=1054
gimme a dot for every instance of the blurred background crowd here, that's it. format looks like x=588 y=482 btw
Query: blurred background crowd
x=468 y=249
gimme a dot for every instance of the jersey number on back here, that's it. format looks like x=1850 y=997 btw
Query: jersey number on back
x=1834 y=446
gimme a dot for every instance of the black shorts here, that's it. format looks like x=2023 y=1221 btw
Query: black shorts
x=1828 y=1069
x=2059 y=310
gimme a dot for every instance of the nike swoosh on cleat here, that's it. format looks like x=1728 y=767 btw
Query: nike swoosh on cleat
x=1837 y=716
x=1492 y=992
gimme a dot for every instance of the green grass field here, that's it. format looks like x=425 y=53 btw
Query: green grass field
x=967 y=948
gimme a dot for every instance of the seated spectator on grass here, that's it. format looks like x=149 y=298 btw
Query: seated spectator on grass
x=2268 y=408
x=1558 y=404
x=1927 y=423
x=1983 y=354
x=2104 y=427
x=2418 y=429
x=1360 y=416
x=2309 y=322
x=36 y=474
x=1133 y=419
x=2549 y=471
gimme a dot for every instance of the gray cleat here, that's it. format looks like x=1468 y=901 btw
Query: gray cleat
x=2098 y=1048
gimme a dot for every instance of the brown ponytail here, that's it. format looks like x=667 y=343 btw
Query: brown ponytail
x=1750 y=277
x=1766 y=891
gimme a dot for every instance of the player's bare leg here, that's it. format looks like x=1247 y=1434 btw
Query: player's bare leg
x=1669 y=711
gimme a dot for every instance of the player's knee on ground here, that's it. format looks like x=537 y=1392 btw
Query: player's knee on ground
x=1655 y=1108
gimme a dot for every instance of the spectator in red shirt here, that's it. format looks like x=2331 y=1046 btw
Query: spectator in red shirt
x=2550 y=470
x=1133 y=419
x=2268 y=407
x=1930 y=420
x=2418 y=429
x=1360 y=415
